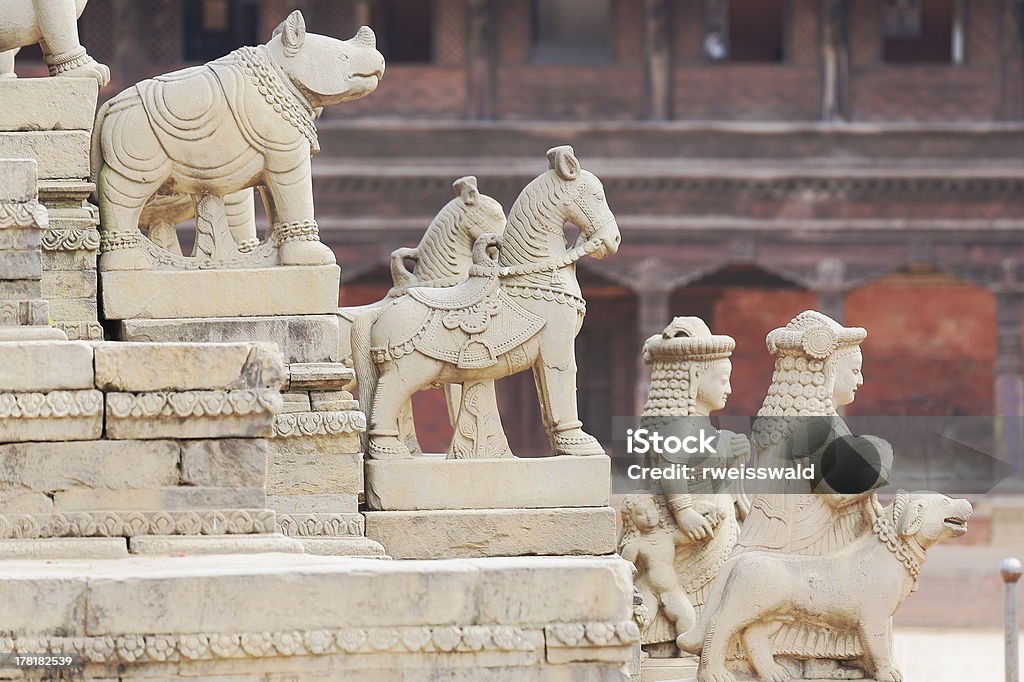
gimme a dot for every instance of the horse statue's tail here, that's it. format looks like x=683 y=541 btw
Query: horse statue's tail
x=362 y=361
x=692 y=641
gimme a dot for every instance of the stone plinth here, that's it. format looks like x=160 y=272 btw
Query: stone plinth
x=50 y=120
x=493 y=532
x=149 y=294
x=301 y=338
x=319 y=619
x=424 y=483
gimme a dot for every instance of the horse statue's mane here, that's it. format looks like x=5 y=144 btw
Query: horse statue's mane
x=442 y=245
x=533 y=215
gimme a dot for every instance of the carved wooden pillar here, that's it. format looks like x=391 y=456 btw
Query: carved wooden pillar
x=1009 y=388
x=658 y=53
x=481 y=71
x=835 y=56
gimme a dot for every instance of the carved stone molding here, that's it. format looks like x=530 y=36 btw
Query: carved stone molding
x=299 y=424
x=321 y=525
x=185 y=404
x=81 y=331
x=53 y=405
x=31 y=214
x=131 y=523
x=18 y=313
x=416 y=639
x=72 y=239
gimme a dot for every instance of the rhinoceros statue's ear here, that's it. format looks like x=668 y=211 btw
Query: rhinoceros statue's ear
x=293 y=33
x=465 y=189
x=563 y=161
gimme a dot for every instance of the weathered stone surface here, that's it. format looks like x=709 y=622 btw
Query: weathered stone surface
x=324 y=503
x=54 y=549
x=226 y=462
x=318 y=376
x=300 y=525
x=53 y=416
x=45 y=104
x=114 y=465
x=300 y=466
x=21 y=264
x=332 y=401
x=294 y=290
x=295 y=402
x=434 y=483
x=193 y=545
x=69 y=284
x=19 y=174
x=20 y=288
x=69 y=261
x=32 y=333
x=138 y=367
x=20 y=237
x=346 y=546
x=74 y=308
x=498 y=532
x=60 y=154
x=176 y=499
x=46 y=366
x=343 y=428
x=300 y=338
x=118 y=523
x=25 y=501
x=191 y=414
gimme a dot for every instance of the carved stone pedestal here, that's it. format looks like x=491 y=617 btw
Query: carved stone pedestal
x=433 y=508
x=156 y=294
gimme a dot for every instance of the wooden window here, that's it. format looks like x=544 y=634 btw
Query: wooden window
x=757 y=30
x=923 y=31
x=572 y=32
x=213 y=28
x=405 y=30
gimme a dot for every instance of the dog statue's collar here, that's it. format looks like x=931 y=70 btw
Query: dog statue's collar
x=908 y=551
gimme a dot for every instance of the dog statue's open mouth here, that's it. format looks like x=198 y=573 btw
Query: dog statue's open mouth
x=957 y=523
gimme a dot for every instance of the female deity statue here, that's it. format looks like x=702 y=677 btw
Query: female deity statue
x=817 y=370
x=678 y=533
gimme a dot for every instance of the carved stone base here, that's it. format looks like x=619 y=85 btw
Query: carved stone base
x=146 y=294
x=51 y=549
x=350 y=547
x=162 y=545
x=456 y=534
x=434 y=483
x=668 y=669
x=301 y=338
x=308 y=618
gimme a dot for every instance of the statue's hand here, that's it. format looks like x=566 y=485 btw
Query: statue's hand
x=740 y=448
x=694 y=525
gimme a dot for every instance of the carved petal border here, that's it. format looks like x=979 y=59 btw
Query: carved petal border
x=131 y=523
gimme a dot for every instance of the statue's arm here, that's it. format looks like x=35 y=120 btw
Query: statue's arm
x=630 y=552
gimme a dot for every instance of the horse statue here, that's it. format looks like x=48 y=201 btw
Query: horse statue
x=443 y=258
x=519 y=311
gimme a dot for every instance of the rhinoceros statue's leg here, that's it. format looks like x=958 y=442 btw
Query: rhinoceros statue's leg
x=7 y=64
x=291 y=212
x=65 y=56
x=241 y=214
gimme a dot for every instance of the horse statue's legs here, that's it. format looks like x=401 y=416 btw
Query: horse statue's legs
x=554 y=373
x=392 y=395
x=478 y=433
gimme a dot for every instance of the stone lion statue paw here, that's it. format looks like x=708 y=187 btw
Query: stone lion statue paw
x=891 y=674
x=720 y=675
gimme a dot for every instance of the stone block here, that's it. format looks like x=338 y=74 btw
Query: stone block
x=314 y=465
x=141 y=367
x=69 y=261
x=69 y=284
x=25 y=238
x=61 y=154
x=21 y=264
x=27 y=313
x=179 y=498
x=24 y=501
x=129 y=523
x=45 y=104
x=74 y=309
x=295 y=402
x=102 y=465
x=46 y=366
x=350 y=524
x=349 y=546
x=490 y=533
x=191 y=414
x=20 y=288
x=81 y=330
x=224 y=462
x=344 y=427
x=193 y=545
x=296 y=290
x=318 y=376
x=300 y=338
x=323 y=503
x=31 y=333
x=433 y=483
x=20 y=179
x=56 y=549
x=53 y=416
x=332 y=401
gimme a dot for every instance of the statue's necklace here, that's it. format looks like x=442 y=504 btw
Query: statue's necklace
x=261 y=74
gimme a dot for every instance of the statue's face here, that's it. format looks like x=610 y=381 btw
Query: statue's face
x=848 y=377
x=713 y=387
x=645 y=514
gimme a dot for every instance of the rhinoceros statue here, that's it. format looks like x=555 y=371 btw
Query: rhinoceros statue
x=245 y=120
x=54 y=25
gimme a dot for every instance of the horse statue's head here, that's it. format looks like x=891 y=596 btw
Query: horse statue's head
x=479 y=214
x=584 y=203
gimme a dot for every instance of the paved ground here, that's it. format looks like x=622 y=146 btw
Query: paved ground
x=950 y=655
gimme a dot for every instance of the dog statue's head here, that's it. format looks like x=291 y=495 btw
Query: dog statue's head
x=929 y=517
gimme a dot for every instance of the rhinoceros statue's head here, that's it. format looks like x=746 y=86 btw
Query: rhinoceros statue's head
x=327 y=70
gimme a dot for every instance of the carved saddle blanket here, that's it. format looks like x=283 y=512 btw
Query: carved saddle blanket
x=473 y=324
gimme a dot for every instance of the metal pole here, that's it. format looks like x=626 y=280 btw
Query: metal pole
x=1010 y=569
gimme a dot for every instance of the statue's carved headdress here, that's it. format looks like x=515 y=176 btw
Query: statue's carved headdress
x=805 y=353
x=678 y=356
